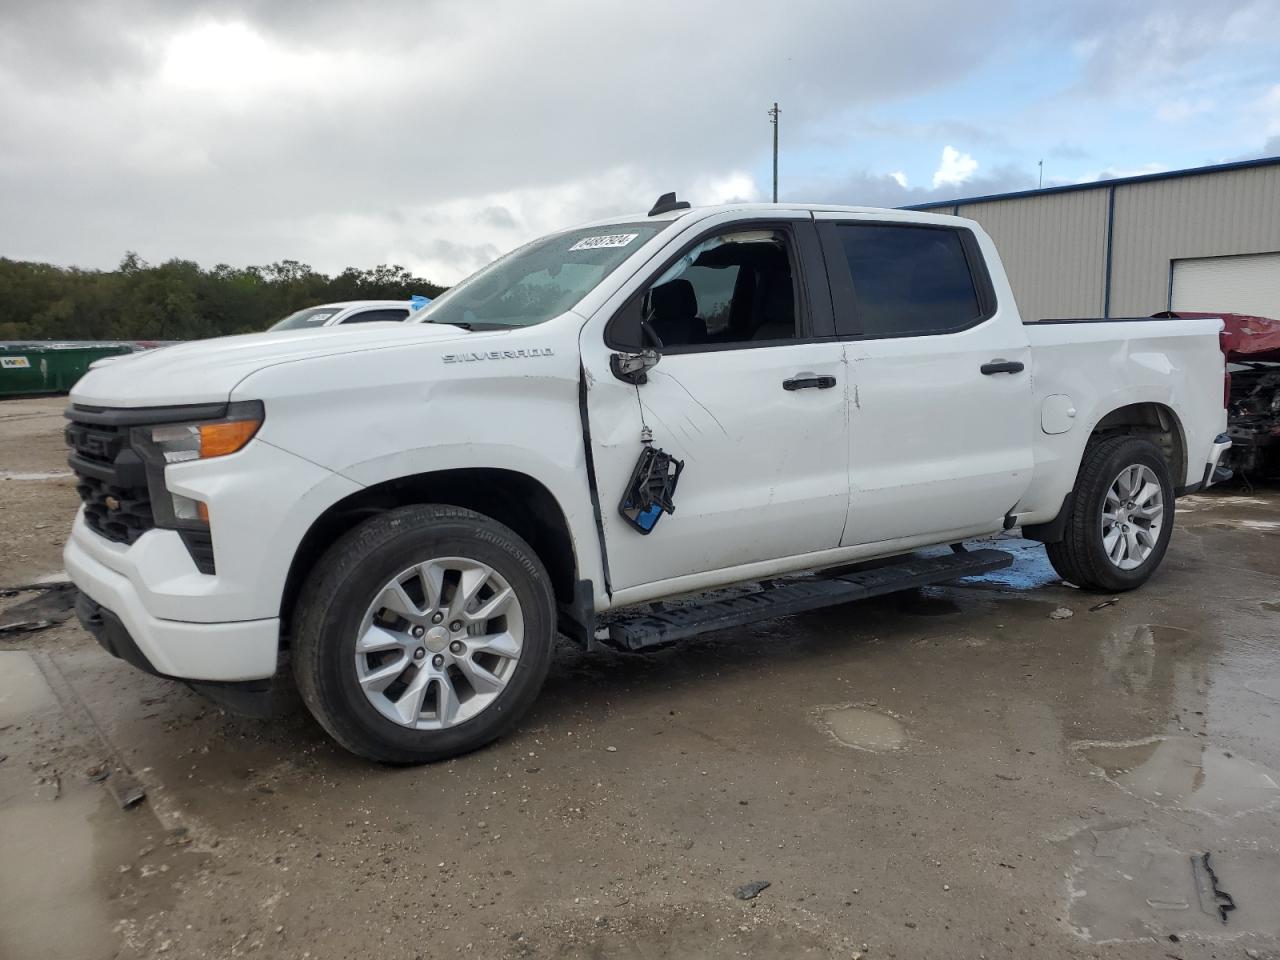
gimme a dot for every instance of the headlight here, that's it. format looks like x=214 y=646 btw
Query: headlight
x=170 y=443
x=198 y=441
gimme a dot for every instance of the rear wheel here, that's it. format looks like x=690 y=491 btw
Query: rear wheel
x=1121 y=517
x=423 y=633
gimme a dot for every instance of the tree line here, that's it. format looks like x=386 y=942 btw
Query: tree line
x=177 y=300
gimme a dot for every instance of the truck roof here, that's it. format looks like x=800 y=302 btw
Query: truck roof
x=702 y=212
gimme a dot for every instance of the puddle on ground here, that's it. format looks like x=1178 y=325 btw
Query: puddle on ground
x=1186 y=772
x=1031 y=567
x=23 y=689
x=1128 y=882
x=1132 y=656
x=52 y=887
x=61 y=475
x=72 y=862
x=863 y=729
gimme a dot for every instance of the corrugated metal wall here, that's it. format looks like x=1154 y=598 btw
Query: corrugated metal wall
x=1054 y=248
x=1054 y=245
x=1198 y=216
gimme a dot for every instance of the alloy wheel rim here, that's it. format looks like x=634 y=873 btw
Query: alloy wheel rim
x=1132 y=516
x=439 y=643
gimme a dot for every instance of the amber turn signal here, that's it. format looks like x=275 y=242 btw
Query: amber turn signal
x=219 y=439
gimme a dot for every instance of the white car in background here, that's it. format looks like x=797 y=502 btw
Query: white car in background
x=345 y=312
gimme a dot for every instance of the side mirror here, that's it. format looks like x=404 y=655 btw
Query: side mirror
x=635 y=367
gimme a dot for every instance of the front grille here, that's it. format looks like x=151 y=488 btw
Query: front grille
x=111 y=480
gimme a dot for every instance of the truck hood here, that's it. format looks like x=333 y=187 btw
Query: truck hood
x=206 y=371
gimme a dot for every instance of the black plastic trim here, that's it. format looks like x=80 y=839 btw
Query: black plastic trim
x=111 y=634
x=578 y=616
x=199 y=543
x=668 y=202
x=248 y=697
x=150 y=416
x=591 y=479
x=655 y=624
x=1054 y=530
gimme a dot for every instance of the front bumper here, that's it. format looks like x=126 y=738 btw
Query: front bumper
x=228 y=651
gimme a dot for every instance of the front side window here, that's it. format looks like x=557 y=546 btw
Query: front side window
x=908 y=280
x=540 y=280
x=373 y=316
x=733 y=289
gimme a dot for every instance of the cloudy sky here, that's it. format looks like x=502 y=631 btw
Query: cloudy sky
x=437 y=134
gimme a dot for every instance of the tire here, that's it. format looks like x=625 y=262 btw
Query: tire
x=343 y=601
x=1082 y=557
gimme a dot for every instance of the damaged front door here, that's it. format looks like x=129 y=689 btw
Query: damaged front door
x=744 y=394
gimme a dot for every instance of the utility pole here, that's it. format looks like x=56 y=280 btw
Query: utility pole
x=1041 y=165
x=773 y=118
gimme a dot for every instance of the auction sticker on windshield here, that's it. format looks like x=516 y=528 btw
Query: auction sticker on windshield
x=607 y=240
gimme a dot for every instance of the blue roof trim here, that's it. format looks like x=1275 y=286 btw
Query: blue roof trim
x=1099 y=184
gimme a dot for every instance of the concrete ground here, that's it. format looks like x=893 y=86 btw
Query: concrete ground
x=944 y=773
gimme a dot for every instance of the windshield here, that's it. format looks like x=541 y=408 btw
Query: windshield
x=540 y=280
x=310 y=317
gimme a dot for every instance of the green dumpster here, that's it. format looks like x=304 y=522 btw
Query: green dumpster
x=31 y=368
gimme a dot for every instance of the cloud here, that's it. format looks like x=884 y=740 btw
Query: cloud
x=1183 y=108
x=955 y=169
x=1269 y=109
x=1117 y=173
x=861 y=188
x=440 y=132
x=249 y=130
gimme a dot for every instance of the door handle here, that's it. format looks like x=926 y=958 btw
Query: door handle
x=806 y=381
x=1001 y=366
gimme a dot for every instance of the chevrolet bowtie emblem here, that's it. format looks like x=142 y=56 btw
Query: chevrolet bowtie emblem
x=112 y=503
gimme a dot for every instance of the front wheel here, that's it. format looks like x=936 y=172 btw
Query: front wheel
x=423 y=633
x=1121 y=517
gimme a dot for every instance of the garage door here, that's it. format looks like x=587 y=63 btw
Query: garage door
x=1249 y=284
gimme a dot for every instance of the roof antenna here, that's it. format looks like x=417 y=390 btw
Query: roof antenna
x=668 y=202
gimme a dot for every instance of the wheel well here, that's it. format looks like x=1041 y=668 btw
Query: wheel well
x=1154 y=422
x=515 y=499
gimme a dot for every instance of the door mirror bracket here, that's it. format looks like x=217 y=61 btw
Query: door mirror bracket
x=634 y=367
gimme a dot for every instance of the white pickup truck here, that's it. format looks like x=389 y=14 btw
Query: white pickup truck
x=607 y=417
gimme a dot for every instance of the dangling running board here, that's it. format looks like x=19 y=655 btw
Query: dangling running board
x=650 y=625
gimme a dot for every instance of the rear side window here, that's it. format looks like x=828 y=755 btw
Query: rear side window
x=910 y=281
x=371 y=316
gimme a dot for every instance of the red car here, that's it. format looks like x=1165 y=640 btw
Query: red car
x=1252 y=347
